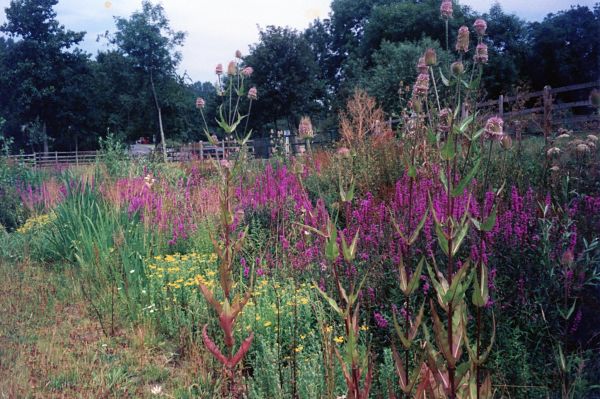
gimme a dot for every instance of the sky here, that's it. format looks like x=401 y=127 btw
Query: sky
x=216 y=29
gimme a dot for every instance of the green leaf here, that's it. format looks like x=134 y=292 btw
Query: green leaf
x=415 y=278
x=460 y=187
x=448 y=151
x=445 y=81
x=490 y=221
x=415 y=234
x=456 y=243
x=457 y=288
x=443 y=179
x=480 y=288
x=331 y=248
x=349 y=252
x=441 y=238
x=465 y=124
x=329 y=300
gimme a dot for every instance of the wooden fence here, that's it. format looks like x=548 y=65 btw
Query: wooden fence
x=567 y=105
x=194 y=151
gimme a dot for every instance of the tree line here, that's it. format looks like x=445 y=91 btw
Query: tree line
x=53 y=95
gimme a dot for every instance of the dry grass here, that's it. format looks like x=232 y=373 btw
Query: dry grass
x=50 y=347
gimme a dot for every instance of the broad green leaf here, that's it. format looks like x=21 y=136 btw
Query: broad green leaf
x=490 y=221
x=460 y=187
x=462 y=233
x=448 y=152
x=418 y=229
x=416 y=276
x=441 y=238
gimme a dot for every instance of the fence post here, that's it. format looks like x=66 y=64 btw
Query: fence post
x=76 y=157
x=223 y=146
x=501 y=105
x=56 y=157
x=547 y=113
x=201 y=150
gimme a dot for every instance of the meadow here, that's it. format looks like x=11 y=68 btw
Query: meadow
x=443 y=257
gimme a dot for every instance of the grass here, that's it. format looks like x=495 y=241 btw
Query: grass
x=52 y=347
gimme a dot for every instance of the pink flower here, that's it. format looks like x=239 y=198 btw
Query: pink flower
x=219 y=69
x=422 y=66
x=480 y=26
x=421 y=85
x=481 y=54
x=446 y=9
x=252 y=93
x=462 y=41
x=343 y=151
x=247 y=72
x=305 y=129
x=494 y=128
x=200 y=103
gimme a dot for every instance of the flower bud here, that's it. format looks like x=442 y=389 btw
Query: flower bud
x=462 y=41
x=238 y=54
x=446 y=9
x=200 y=103
x=247 y=72
x=305 y=129
x=252 y=93
x=457 y=68
x=219 y=69
x=231 y=69
x=506 y=142
x=494 y=128
x=430 y=57
x=480 y=26
x=481 y=54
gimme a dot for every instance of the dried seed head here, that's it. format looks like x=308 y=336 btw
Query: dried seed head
x=506 y=142
x=462 y=41
x=430 y=57
x=582 y=148
x=446 y=9
x=238 y=54
x=457 y=68
x=592 y=138
x=553 y=151
x=554 y=169
x=219 y=69
x=481 y=54
x=563 y=136
x=200 y=103
x=231 y=69
x=480 y=26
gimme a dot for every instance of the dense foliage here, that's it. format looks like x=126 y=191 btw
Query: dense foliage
x=56 y=96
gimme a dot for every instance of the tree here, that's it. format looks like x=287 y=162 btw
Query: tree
x=147 y=39
x=286 y=76
x=38 y=64
x=566 y=48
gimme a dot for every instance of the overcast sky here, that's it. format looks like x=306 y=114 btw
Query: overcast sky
x=215 y=30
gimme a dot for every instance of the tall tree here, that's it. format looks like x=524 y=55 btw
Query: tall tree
x=38 y=61
x=286 y=76
x=566 y=47
x=148 y=40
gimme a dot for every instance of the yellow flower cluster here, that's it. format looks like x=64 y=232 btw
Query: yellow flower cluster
x=35 y=223
x=177 y=270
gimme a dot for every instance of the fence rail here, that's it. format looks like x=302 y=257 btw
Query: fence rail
x=194 y=151
x=545 y=102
